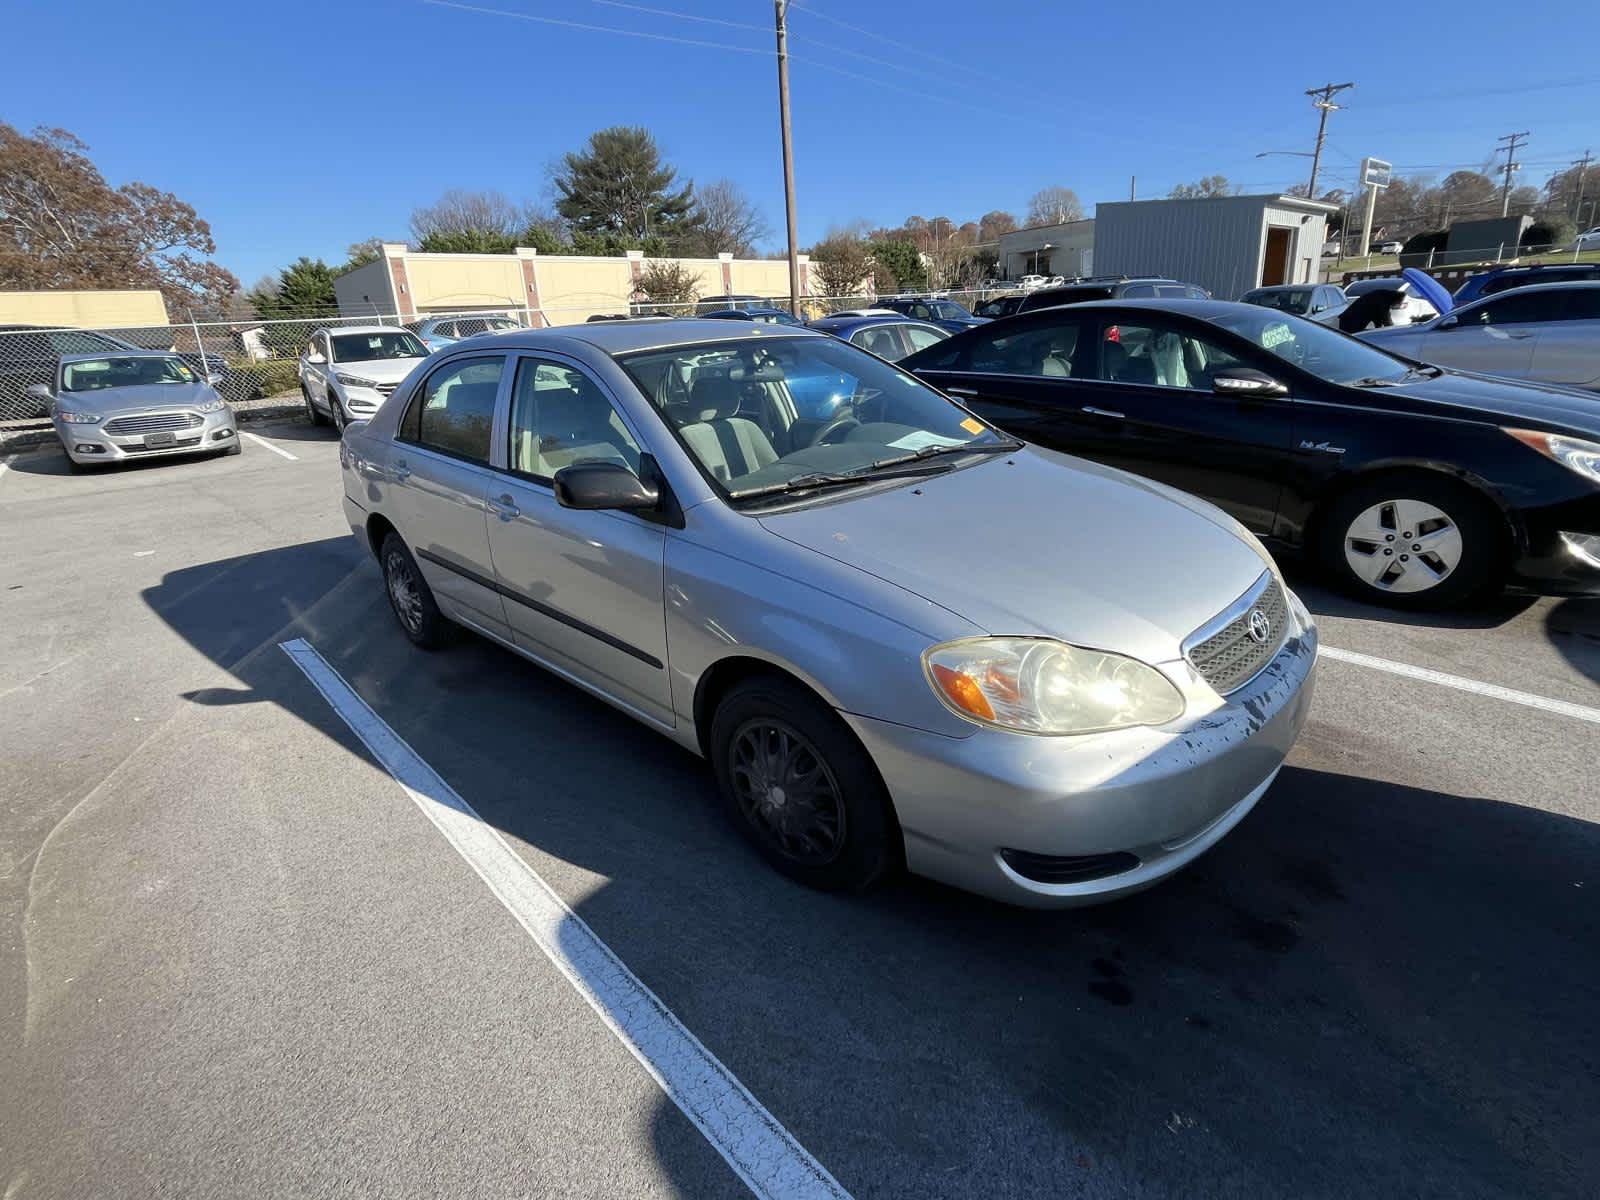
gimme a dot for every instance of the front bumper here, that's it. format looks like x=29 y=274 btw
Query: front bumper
x=92 y=444
x=1558 y=556
x=1162 y=795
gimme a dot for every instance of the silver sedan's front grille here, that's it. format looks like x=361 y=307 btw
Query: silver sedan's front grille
x=152 y=423
x=1231 y=649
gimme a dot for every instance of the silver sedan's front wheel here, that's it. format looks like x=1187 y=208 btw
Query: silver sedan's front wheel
x=1403 y=546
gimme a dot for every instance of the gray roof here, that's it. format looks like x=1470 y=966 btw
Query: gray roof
x=118 y=352
x=624 y=337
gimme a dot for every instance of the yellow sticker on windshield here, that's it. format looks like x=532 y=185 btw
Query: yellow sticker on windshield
x=972 y=426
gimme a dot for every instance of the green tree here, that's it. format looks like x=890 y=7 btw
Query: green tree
x=302 y=289
x=668 y=284
x=902 y=262
x=467 y=241
x=617 y=185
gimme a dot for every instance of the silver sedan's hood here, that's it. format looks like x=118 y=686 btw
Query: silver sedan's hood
x=1051 y=546
x=138 y=398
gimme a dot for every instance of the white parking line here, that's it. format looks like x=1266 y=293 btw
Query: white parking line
x=760 y=1150
x=1494 y=690
x=261 y=441
x=5 y=464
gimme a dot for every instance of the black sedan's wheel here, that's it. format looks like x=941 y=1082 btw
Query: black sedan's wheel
x=798 y=784
x=410 y=596
x=1412 y=541
x=312 y=415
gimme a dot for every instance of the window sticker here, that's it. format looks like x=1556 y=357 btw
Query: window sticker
x=922 y=438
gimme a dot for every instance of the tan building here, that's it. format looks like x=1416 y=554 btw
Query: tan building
x=546 y=289
x=84 y=310
x=1065 y=249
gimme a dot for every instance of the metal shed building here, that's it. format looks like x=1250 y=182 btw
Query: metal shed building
x=1227 y=244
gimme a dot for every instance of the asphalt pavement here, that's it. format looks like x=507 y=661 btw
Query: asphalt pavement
x=238 y=957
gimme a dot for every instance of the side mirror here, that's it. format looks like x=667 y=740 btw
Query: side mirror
x=316 y=359
x=1246 y=383
x=40 y=391
x=600 y=485
x=214 y=378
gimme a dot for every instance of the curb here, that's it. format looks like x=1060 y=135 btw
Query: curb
x=27 y=438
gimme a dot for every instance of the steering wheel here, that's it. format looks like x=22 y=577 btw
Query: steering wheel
x=840 y=421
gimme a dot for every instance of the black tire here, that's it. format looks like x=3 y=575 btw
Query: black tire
x=410 y=598
x=1482 y=531
x=840 y=841
x=315 y=417
x=336 y=407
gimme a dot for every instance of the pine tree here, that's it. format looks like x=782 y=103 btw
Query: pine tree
x=618 y=188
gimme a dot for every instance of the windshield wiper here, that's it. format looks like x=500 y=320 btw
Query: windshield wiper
x=1375 y=381
x=1004 y=447
x=812 y=479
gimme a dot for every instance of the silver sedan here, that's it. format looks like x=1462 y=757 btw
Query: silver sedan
x=1545 y=332
x=897 y=634
x=115 y=407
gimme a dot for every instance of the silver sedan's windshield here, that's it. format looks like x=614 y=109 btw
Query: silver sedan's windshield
x=1324 y=352
x=91 y=375
x=786 y=413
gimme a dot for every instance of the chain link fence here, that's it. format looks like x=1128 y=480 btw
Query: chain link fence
x=253 y=359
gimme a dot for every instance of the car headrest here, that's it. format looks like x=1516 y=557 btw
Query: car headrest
x=714 y=397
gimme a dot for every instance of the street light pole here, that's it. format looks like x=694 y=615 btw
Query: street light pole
x=780 y=10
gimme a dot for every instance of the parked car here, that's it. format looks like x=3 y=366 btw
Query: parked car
x=438 y=332
x=30 y=355
x=118 y=405
x=946 y=314
x=1547 y=332
x=1000 y=306
x=1322 y=302
x=1115 y=288
x=710 y=304
x=1332 y=249
x=889 y=335
x=1589 y=239
x=1413 y=485
x=1503 y=279
x=1387 y=246
x=765 y=316
x=345 y=374
x=823 y=610
x=1404 y=305
x=1028 y=282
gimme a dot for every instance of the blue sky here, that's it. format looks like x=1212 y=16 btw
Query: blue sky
x=298 y=128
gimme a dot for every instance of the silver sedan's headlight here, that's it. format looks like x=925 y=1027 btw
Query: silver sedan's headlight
x=211 y=406
x=78 y=418
x=1039 y=685
x=354 y=380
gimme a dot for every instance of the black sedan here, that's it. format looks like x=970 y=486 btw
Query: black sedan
x=1413 y=485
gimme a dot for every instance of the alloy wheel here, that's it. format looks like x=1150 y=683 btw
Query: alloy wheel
x=405 y=592
x=1403 y=546
x=787 y=791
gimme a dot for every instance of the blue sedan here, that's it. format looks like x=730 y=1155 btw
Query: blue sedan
x=946 y=314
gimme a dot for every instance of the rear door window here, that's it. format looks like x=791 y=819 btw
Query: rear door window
x=1055 y=348
x=1156 y=354
x=881 y=340
x=1521 y=307
x=453 y=411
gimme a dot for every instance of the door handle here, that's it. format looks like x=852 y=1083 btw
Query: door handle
x=401 y=471
x=505 y=508
x=1103 y=412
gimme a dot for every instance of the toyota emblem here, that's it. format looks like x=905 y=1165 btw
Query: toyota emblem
x=1258 y=626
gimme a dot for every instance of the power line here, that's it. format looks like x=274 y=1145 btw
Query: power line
x=634 y=33
x=889 y=41
x=1322 y=100
x=680 y=16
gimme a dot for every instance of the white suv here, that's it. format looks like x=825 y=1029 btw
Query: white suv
x=346 y=374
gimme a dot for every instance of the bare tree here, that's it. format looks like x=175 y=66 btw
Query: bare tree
x=841 y=264
x=992 y=225
x=729 y=222
x=1054 y=205
x=459 y=211
x=669 y=284
x=1209 y=188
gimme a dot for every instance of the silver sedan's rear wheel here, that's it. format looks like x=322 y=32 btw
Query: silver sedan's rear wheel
x=409 y=595
x=1403 y=546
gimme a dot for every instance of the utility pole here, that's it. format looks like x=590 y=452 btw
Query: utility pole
x=1322 y=100
x=1583 y=170
x=781 y=10
x=1512 y=141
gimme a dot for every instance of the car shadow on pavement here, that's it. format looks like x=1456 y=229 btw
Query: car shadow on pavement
x=1489 y=611
x=1573 y=627
x=293 y=429
x=1366 y=989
